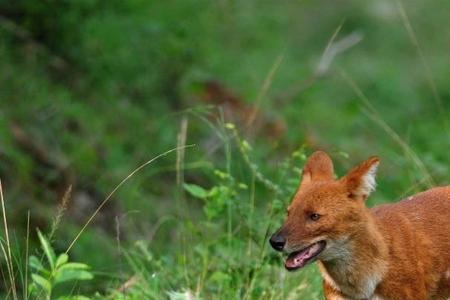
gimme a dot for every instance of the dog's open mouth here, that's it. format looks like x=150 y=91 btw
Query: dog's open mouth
x=299 y=259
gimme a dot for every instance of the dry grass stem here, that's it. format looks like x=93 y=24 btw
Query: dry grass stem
x=428 y=74
x=25 y=292
x=373 y=114
x=7 y=253
x=263 y=91
x=60 y=212
x=117 y=187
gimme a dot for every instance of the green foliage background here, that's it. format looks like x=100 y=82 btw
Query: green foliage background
x=99 y=87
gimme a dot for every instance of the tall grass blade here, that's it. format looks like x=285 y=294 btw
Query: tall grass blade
x=373 y=114
x=429 y=76
x=117 y=187
x=25 y=292
x=264 y=89
x=7 y=253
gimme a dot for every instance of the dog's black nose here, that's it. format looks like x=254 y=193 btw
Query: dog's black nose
x=277 y=241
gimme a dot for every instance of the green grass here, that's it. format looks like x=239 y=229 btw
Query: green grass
x=93 y=89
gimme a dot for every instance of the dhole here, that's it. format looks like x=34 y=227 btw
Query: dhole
x=398 y=251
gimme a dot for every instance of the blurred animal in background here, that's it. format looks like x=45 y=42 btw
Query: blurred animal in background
x=250 y=118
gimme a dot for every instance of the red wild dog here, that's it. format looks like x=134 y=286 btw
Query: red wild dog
x=397 y=251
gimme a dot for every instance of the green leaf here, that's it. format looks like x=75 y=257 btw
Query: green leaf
x=62 y=259
x=35 y=263
x=48 y=250
x=63 y=275
x=214 y=191
x=220 y=277
x=42 y=282
x=245 y=146
x=195 y=190
x=74 y=266
x=243 y=186
x=230 y=126
x=31 y=288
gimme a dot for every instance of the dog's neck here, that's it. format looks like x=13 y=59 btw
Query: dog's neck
x=361 y=265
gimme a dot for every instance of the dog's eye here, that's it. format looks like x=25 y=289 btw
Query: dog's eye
x=314 y=216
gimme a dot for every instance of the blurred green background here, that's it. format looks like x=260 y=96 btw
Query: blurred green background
x=91 y=89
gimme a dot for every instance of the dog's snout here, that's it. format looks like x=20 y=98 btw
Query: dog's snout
x=277 y=241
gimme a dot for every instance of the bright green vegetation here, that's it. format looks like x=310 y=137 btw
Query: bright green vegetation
x=90 y=90
x=58 y=271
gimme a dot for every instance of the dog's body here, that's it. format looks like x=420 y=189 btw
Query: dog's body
x=398 y=251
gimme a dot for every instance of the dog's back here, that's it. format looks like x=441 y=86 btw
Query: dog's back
x=417 y=233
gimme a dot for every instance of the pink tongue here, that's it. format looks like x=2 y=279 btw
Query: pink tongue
x=298 y=260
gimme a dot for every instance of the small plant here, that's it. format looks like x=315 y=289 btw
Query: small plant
x=216 y=198
x=57 y=270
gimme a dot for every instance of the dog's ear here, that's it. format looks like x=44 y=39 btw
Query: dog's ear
x=319 y=166
x=360 y=181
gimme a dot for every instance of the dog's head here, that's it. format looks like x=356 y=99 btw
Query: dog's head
x=324 y=212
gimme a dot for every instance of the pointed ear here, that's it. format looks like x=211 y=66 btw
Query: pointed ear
x=318 y=167
x=360 y=181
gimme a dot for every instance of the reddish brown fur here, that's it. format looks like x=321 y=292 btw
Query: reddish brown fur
x=398 y=251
